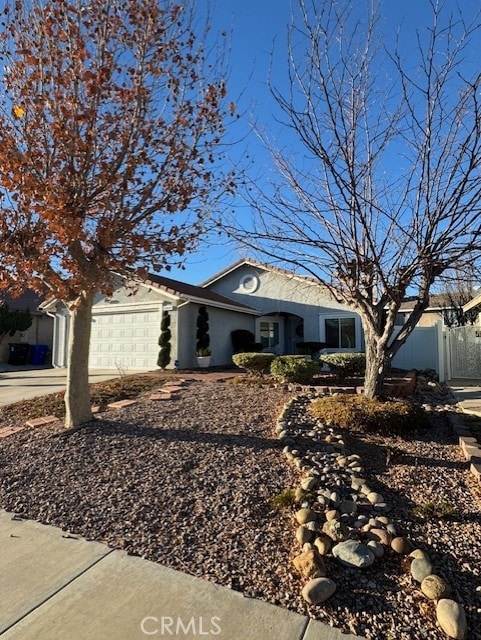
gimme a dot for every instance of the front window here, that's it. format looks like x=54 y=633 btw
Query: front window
x=340 y=333
x=269 y=334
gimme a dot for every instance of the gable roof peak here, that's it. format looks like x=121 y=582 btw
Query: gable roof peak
x=255 y=264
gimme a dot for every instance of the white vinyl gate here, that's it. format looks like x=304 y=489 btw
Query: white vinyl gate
x=464 y=352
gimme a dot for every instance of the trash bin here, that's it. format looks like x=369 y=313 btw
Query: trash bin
x=19 y=353
x=38 y=353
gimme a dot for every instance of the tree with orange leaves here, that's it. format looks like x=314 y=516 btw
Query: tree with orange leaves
x=111 y=118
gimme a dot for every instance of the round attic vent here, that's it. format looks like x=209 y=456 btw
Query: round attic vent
x=249 y=283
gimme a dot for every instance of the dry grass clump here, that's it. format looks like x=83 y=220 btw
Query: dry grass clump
x=356 y=412
x=283 y=500
x=435 y=510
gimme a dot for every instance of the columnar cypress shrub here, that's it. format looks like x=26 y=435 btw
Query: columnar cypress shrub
x=203 y=338
x=164 y=341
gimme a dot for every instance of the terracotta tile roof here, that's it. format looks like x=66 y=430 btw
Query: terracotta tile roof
x=189 y=291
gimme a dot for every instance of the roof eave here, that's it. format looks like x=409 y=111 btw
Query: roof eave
x=265 y=267
x=222 y=305
x=472 y=304
x=225 y=272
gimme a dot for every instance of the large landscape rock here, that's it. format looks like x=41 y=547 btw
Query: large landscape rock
x=401 y=545
x=452 y=618
x=381 y=535
x=318 y=590
x=375 y=498
x=337 y=531
x=305 y=515
x=323 y=544
x=421 y=568
x=310 y=564
x=303 y=535
x=353 y=554
x=434 y=587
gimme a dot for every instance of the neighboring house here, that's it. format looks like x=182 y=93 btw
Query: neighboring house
x=41 y=331
x=439 y=306
x=473 y=305
x=126 y=325
x=293 y=308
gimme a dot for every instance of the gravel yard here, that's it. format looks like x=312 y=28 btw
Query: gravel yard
x=187 y=483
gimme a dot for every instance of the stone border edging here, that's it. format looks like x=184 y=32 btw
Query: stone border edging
x=341 y=516
x=167 y=391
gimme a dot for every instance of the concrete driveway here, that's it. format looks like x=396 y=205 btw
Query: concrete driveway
x=22 y=383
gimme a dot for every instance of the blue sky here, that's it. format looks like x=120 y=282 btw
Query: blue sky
x=259 y=29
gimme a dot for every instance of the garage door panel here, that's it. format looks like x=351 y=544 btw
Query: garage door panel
x=128 y=340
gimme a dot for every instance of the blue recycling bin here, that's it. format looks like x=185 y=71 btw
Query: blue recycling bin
x=38 y=353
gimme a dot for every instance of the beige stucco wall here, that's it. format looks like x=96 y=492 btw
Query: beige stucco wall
x=221 y=323
x=277 y=292
x=429 y=318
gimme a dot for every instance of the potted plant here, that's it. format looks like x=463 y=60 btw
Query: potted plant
x=202 y=349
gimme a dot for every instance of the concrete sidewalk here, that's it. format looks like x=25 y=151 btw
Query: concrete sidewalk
x=23 y=383
x=468 y=394
x=55 y=586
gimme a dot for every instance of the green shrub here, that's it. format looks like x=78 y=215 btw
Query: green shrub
x=256 y=363
x=243 y=341
x=345 y=364
x=203 y=338
x=356 y=412
x=298 y=369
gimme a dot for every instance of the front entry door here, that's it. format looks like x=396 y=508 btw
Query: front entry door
x=270 y=332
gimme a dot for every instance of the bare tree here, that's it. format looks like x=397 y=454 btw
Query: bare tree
x=458 y=288
x=381 y=192
x=111 y=118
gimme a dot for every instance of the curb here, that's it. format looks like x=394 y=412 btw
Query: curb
x=468 y=443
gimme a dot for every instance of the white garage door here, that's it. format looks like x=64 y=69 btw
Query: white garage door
x=125 y=340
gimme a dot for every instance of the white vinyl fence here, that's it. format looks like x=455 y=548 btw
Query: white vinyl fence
x=423 y=350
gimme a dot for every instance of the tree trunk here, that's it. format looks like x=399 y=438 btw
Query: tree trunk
x=378 y=362
x=77 y=396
